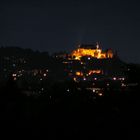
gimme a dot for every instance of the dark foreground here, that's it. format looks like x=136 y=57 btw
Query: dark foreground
x=70 y=114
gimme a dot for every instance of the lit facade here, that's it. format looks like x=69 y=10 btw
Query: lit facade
x=91 y=52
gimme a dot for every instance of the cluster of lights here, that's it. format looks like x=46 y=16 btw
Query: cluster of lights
x=78 y=73
x=94 y=72
x=123 y=85
x=121 y=79
x=80 y=52
x=35 y=73
x=90 y=53
x=14 y=75
x=97 y=91
x=40 y=72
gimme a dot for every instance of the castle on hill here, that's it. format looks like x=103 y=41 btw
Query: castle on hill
x=93 y=51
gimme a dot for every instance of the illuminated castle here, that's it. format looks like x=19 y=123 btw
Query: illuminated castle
x=91 y=51
x=90 y=63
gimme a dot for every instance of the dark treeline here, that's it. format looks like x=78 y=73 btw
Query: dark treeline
x=34 y=59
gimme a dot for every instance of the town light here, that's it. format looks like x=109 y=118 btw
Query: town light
x=114 y=78
x=78 y=73
x=14 y=75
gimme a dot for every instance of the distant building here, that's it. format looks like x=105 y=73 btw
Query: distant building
x=93 y=51
x=89 y=62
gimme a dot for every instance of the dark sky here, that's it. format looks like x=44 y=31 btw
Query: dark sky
x=57 y=25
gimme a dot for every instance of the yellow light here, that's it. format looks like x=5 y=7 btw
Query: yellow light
x=91 y=52
x=94 y=71
x=80 y=52
x=78 y=73
x=75 y=79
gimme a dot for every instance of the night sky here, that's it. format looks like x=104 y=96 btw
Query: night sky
x=59 y=25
